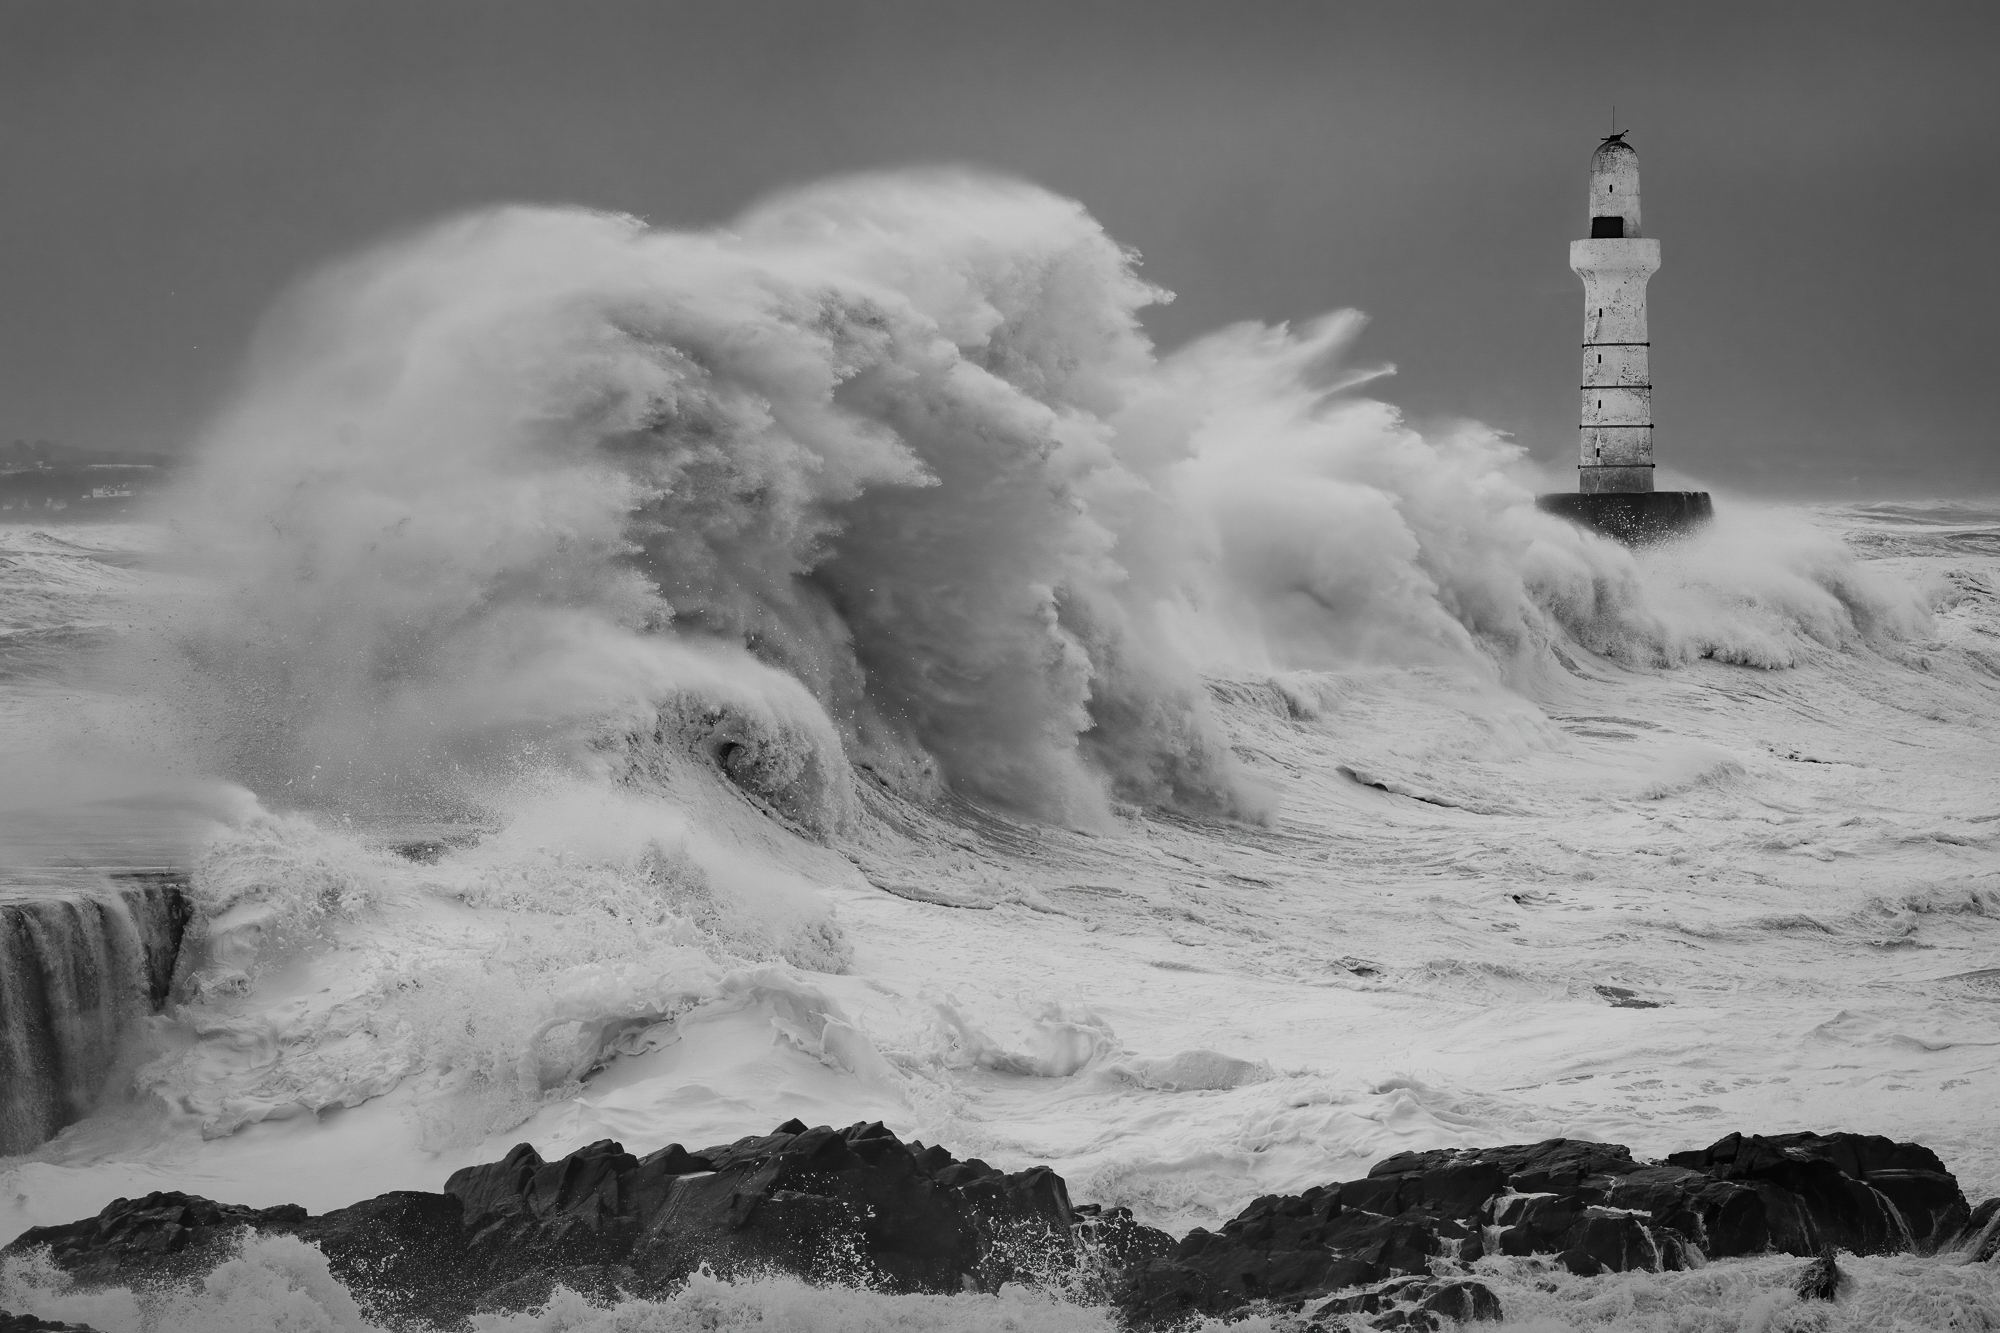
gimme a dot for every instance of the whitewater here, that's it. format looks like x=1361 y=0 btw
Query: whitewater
x=616 y=683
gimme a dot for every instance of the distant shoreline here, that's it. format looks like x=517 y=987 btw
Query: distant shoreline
x=83 y=493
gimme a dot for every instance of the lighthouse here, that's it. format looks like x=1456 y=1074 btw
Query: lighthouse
x=1614 y=491
x=1615 y=264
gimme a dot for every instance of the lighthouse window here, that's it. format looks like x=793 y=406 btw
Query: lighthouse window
x=1607 y=229
x=1600 y=358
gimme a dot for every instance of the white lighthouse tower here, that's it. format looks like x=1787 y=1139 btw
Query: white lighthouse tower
x=1614 y=491
x=1617 y=430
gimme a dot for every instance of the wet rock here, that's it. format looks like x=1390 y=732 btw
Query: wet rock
x=1111 y=1244
x=1590 y=1207
x=164 y=1234
x=1616 y=1241
x=1623 y=998
x=1858 y=1192
x=1580 y=1263
x=855 y=1205
x=27 y=1323
x=1461 y=1300
x=861 y=1206
x=1409 y=1303
x=403 y=1253
x=1796 y=1193
x=401 y=1248
x=1288 y=1248
x=847 y=1205
x=1981 y=1234
x=1818 y=1280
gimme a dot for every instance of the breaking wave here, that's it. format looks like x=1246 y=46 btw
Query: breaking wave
x=623 y=555
x=283 y=1283
x=279 y=1282
x=580 y=609
x=883 y=478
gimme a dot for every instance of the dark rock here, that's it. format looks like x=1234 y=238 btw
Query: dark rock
x=1589 y=1206
x=1858 y=1192
x=1448 y=1184
x=1623 y=998
x=27 y=1323
x=1461 y=1300
x=165 y=1234
x=1111 y=1244
x=1818 y=1280
x=403 y=1254
x=1617 y=1241
x=1290 y=1248
x=1410 y=1303
x=569 y=1210
x=1121 y=1241
x=860 y=1206
x=1580 y=1263
x=855 y=1205
x=1981 y=1234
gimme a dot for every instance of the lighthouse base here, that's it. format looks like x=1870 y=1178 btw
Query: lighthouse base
x=1636 y=518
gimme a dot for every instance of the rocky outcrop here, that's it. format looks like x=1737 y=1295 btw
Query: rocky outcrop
x=1409 y=1303
x=164 y=1234
x=1819 y=1280
x=1391 y=1250
x=1858 y=1192
x=855 y=1205
x=27 y=1323
x=1982 y=1233
x=1588 y=1206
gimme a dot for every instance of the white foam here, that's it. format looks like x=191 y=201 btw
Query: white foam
x=675 y=590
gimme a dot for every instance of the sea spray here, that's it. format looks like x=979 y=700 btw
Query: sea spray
x=479 y=482
x=278 y=1282
x=900 y=439
x=659 y=574
x=505 y=971
x=648 y=559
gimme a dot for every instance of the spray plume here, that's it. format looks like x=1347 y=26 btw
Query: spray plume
x=884 y=479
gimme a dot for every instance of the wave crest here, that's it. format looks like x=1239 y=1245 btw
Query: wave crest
x=898 y=440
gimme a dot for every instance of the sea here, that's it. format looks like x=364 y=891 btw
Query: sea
x=604 y=682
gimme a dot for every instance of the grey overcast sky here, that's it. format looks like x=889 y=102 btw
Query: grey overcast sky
x=1823 y=177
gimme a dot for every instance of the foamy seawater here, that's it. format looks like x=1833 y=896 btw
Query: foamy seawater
x=1284 y=794
x=1435 y=942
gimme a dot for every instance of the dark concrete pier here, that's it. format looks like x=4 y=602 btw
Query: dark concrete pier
x=1636 y=518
